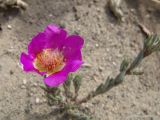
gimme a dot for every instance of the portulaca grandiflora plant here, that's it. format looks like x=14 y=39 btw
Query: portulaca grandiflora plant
x=56 y=55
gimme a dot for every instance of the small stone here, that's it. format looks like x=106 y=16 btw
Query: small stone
x=110 y=97
x=11 y=72
x=133 y=105
x=19 y=65
x=97 y=45
x=158 y=113
x=44 y=100
x=103 y=105
x=145 y=111
x=87 y=105
x=100 y=68
x=114 y=63
x=148 y=16
x=98 y=9
x=107 y=50
x=87 y=65
x=119 y=55
x=35 y=84
x=54 y=107
x=24 y=82
x=133 y=10
x=9 y=27
x=50 y=15
x=95 y=77
x=30 y=94
x=23 y=87
x=37 y=100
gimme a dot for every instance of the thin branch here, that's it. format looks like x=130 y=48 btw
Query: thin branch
x=151 y=44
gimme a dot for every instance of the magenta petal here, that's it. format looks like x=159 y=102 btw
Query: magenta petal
x=51 y=28
x=74 y=42
x=37 y=44
x=72 y=48
x=72 y=55
x=72 y=66
x=55 y=79
x=55 y=36
x=27 y=62
x=59 y=77
x=52 y=37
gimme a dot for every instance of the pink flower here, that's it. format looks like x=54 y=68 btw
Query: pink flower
x=53 y=53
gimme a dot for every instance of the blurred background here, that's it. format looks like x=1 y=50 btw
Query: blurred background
x=112 y=29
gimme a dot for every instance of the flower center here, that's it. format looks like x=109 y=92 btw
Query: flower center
x=49 y=61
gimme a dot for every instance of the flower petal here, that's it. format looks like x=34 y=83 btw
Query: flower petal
x=55 y=36
x=73 y=42
x=72 y=48
x=52 y=37
x=58 y=78
x=72 y=55
x=72 y=66
x=27 y=62
x=37 y=44
x=55 y=79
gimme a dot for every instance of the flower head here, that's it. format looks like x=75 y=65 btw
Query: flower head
x=53 y=53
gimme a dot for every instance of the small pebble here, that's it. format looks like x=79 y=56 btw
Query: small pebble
x=23 y=87
x=98 y=9
x=30 y=94
x=37 y=100
x=110 y=97
x=145 y=111
x=50 y=15
x=87 y=65
x=35 y=84
x=95 y=77
x=133 y=10
x=158 y=113
x=107 y=50
x=19 y=65
x=97 y=45
x=24 y=82
x=148 y=16
x=9 y=27
x=11 y=72
x=87 y=105
x=100 y=68
x=119 y=55
x=114 y=63
x=103 y=105
x=44 y=100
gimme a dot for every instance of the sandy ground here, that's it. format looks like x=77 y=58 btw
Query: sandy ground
x=106 y=44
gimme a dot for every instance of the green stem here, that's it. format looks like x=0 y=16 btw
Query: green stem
x=136 y=62
x=110 y=83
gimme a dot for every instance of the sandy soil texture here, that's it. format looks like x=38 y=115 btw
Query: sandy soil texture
x=106 y=43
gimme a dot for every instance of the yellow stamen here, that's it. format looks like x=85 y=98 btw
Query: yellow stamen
x=49 y=61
